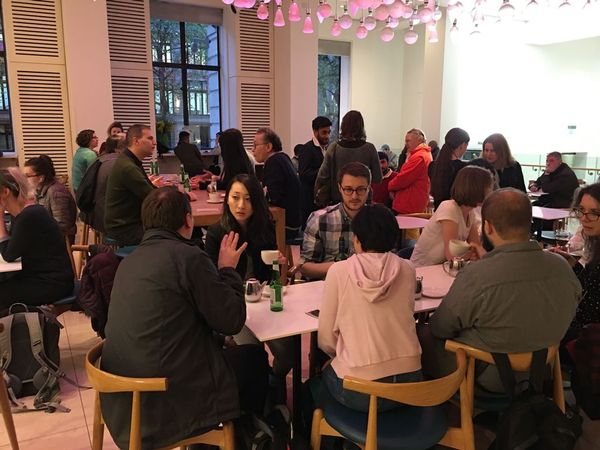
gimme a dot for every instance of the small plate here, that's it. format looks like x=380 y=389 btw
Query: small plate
x=215 y=201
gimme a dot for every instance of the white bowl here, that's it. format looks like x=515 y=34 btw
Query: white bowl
x=268 y=256
x=458 y=247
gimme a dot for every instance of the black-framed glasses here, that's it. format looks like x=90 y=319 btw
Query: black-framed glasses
x=361 y=190
x=592 y=215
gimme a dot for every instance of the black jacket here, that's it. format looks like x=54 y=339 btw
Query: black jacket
x=310 y=159
x=191 y=159
x=283 y=187
x=512 y=176
x=167 y=302
x=559 y=187
x=261 y=271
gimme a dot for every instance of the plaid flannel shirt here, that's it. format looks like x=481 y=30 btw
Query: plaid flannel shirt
x=321 y=241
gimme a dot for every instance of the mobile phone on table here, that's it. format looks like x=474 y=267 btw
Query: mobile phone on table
x=314 y=313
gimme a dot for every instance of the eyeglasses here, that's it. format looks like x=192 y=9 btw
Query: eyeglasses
x=361 y=190
x=256 y=144
x=592 y=215
x=31 y=175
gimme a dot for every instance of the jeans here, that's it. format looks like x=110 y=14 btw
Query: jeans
x=358 y=401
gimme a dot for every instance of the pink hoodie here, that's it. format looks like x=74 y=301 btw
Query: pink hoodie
x=366 y=321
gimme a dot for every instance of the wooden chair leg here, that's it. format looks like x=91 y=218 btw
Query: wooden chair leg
x=7 y=415
x=315 y=432
x=559 y=393
x=228 y=436
x=289 y=254
x=85 y=235
x=98 y=427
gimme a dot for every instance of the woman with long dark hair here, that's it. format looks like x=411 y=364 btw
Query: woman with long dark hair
x=351 y=147
x=497 y=152
x=52 y=194
x=245 y=212
x=586 y=208
x=235 y=157
x=447 y=164
x=35 y=238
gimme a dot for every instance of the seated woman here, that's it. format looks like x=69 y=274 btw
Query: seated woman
x=52 y=194
x=496 y=151
x=366 y=321
x=245 y=212
x=47 y=275
x=454 y=218
x=444 y=169
x=587 y=210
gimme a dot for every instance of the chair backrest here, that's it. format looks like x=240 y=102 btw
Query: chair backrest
x=519 y=362
x=106 y=382
x=424 y=393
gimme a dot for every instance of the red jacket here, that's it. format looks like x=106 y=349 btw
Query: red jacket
x=411 y=185
x=380 y=190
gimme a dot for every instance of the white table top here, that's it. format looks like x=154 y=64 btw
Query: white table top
x=9 y=266
x=300 y=298
x=407 y=222
x=540 y=212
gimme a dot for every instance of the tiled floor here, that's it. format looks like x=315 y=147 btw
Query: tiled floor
x=73 y=431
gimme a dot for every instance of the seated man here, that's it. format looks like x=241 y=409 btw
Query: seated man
x=327 y=236
x=189 y=156
x=381 y=193
x=517 y=298
x=558 y=182
x=168 y=305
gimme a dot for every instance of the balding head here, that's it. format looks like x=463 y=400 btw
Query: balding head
x=509 y=212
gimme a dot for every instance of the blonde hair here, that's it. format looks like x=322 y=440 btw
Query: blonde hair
x=13 y=179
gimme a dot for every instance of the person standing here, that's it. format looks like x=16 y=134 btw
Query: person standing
x=411 y=186
x=279 y=178
x=352 y=147
x=310 y=158
x=497 y=151
x=84 y=156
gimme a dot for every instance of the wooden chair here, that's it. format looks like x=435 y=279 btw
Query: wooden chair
x=421 y=422
x=520 y=362
x=106 y=382
x=7 y=414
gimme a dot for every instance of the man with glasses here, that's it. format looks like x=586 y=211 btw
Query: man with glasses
x=327 y=236
x=279 y=178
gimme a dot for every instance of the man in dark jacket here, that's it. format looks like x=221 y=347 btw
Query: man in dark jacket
x=310 y=159
x=558 y=182
x=169 y=306
x=280 y=178
x=189 y=155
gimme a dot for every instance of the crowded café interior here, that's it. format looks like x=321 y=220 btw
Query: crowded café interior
x=365 y=224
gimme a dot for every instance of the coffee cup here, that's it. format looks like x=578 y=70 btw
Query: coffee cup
x=268 y=256
x=453 y=266
x=458 y=247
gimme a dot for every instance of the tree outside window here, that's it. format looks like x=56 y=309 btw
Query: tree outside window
x=329 y=81
x=186 y=81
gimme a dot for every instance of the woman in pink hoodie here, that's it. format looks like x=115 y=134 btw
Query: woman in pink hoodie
x=366 y=321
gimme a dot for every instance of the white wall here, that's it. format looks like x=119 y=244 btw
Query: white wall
x=376 y=83
x=529 y=93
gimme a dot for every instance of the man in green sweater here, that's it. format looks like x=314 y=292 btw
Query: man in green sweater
x=127 y=187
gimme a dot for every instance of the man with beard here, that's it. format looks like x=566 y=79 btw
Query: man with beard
x=327 y=236
x=310 y=158
x=517 y=298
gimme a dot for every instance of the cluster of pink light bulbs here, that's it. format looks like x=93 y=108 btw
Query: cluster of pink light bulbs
x=368 y=12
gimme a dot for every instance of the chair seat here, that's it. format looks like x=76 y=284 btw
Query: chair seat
x=69 y=300
x=405 y=428
x=122 y=252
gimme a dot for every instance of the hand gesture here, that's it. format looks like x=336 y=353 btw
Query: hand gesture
x=477 y=251
x=228 y=255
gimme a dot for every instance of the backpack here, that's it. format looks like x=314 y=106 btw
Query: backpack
x=533 y=421
x=271 y=433
x=585 y=379
x=30 y=357
x=86 y=192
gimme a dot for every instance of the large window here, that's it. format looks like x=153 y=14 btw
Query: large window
x=6 y=136
x=186 y=81
x=329 y=77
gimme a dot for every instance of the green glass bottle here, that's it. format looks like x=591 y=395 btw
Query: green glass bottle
x=181 y=174
x=275 y=286
x=187 y=187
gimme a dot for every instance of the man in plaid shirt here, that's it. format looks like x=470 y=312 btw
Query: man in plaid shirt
x=327 y=236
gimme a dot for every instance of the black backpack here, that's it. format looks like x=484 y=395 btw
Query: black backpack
x=271 y=433
x=533 y=421
x=30 y=357
x=86 y=192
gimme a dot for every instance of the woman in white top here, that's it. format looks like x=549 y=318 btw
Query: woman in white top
x=454 y=218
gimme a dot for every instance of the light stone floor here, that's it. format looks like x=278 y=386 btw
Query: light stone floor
x=73 y=431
